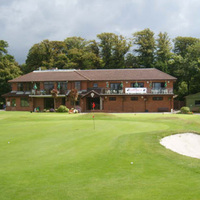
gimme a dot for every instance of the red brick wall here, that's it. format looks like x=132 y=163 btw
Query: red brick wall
x=125 y=104
x=18 y=105
x=38 y=102
x=14 y=86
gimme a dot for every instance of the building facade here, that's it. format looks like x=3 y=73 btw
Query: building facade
x=193 y=102
x=114 y=90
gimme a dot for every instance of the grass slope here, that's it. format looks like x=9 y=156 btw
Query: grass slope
x=55 y=156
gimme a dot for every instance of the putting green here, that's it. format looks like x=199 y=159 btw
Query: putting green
x=60 y=156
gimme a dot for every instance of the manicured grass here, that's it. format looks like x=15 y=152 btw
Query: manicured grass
x=55 y=156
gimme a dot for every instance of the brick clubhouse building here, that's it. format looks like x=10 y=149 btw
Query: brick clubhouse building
x=112 y=90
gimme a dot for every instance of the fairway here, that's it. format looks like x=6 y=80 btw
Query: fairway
x=52 y=156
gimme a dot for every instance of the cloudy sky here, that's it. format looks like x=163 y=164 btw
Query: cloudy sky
x=26 y=22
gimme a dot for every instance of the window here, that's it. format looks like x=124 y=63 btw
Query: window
x=134 y=98
x=37 y=85
x=159 y=85
x=62 y=87
x=115 y=86
x=48 y=86
x=138 y=85
x=20 y=87
x=157 y=98
x=8 y=103
x=24 y=102
x=28 y=86
x=112 y=98
x=197 y=102
x=78 y=85
x=13 y=102
x=95 y=85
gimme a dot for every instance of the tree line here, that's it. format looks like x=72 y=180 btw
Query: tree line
x=179 y=57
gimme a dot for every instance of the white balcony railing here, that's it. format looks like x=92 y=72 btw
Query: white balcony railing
x=139 y=91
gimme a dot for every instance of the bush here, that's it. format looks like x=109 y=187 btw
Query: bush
x=185 y=110
x=62 y=109
x=45 y=110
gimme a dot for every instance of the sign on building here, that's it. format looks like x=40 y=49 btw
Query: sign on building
x=135 y=90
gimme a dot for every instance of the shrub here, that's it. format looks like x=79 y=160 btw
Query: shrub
x=62 y=109
x=45 y=110
x=185 y=110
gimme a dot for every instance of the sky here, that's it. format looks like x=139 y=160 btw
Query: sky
x=24 y=23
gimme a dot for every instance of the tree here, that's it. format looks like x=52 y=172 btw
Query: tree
x=131 y=61
x=185 y=64
x=82 y=54
x=145 y=47
x=163 y=51
x=47 y=55
x=113 y=49
x=9 y=69
x=181 y=44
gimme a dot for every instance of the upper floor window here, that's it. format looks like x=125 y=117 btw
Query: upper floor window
x=115 y=86
x=78 y=85
x=20 y=87
x=36 y=86
x=137 y=85
x=95 y=85
x=62 y=86
x=28 y=86
x=48 y=86
x=158 y=85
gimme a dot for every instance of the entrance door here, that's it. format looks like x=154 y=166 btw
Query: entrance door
x=95 y=100
x=48 y=103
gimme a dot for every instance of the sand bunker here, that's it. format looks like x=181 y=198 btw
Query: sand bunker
x=187 y=144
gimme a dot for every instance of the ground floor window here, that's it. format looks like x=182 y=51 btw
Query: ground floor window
x=13 y=102
x=157 y=98
x=197 y=103
x=112 y=98
x=134 y=98
x=24 y=102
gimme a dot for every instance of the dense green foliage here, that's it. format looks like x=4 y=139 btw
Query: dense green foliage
x=185 y=110
x=62 y=108
x=110 y=51
x=179 y=57
x=60 y=156
x=9 y=69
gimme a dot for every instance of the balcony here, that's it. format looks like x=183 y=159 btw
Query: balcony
x=130 y=91
x=46 y=92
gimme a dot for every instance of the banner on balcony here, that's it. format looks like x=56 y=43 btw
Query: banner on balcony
x=135 y=90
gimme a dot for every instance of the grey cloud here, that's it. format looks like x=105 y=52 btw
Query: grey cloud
x=26 y=22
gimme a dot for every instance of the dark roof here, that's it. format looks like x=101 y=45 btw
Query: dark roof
x=59 y=75
x=95 y=75
x=15 y=94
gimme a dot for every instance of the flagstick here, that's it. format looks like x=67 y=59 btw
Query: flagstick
x=93 y=119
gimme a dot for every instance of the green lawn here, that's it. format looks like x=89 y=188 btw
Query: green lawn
x=55 y=156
